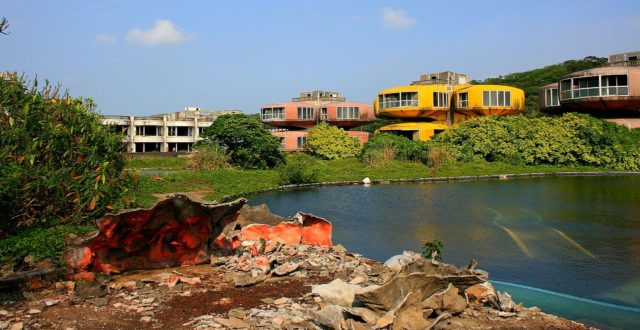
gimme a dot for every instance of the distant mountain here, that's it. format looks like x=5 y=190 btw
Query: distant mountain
x=531 y=81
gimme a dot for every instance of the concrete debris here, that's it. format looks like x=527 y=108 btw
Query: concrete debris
x=337 y=292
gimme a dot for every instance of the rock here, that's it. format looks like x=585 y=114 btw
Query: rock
x=365 y=314
x=409 y=313
x=145 y=319
x=246 y=279
x=190 y=280
x=51 y=302
x=286 y=268
x=506 y=304
x=366 y=180
x=482 y=293
x=117 y=305
x=336 y=292
x=397 y=262
x=281 y=301
x=329 y=316
x=338 y=248
x=506 y=314
x=4 y=313
x=232 y=322
x=279 y=320
x=34 y=311
x=267 y=301
x=357 y=280
x=239 y=313
x=385 y=298
x=147 y=301
x=354 y=325
x=446 y=301
x=17 y=326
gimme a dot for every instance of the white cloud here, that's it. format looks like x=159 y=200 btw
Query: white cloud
x=162 y=32
x=396 y=19
x=105 y=38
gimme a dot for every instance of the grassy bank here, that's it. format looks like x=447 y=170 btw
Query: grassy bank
x=222 y=182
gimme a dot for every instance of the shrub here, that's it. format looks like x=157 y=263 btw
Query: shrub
x=429 y=248
x=572 y=139
x=299 y=168
x=247 y=142
x=403 y=148
x=330 y=142
x=209 y=156
x=57 y=162
x=378 y=157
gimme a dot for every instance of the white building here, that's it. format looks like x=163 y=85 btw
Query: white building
x=165 y=133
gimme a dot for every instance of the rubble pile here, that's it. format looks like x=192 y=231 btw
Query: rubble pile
x=261 y=272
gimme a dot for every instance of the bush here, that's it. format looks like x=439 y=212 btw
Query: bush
x=299 y=168
x=378 y=157
x=209 y=156
x=246 y=141
x=429 y=248
x=331 y=142
x=573 y=139
x=403 y=149
x=57 y=162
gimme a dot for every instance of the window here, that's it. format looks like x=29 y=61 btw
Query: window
x=496 y=98
x=323 y=114
x=305 y=113
x=172 y=130
x=565 y=89
x=586 y=87
x=201 y=130
x=348 y=113
x=272 y=113
x=551 y=97
x=282 y=144
x=440 y=100
x=301 y=141
x=463 y=100
x=614 y=85
x=395 y=100
x=149 y=130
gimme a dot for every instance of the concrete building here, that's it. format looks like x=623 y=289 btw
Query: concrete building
x=291 y=120
x=165 y=133
x=611 y=92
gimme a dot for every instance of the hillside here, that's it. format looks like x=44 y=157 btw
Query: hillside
x=531 y=81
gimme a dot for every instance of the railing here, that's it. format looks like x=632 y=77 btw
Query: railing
x=594 y=92
x=623 y=63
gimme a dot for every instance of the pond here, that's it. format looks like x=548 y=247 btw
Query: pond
x=569 y=245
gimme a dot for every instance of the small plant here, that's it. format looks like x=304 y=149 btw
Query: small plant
x=299 y=168
x=379 y=157
x=432 y=250
x=209 y=156
x=331 y=142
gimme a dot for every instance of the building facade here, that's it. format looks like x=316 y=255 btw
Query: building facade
x=428 y=106
x=291 y=120
x=164 y=133
x=611 y=92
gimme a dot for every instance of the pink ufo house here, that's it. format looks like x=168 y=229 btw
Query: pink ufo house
x=291 y=120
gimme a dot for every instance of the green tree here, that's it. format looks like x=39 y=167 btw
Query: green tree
x=331 y=142
x=57 y=162
x=246 y=141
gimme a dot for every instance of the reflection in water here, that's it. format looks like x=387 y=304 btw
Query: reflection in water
x=573 y=235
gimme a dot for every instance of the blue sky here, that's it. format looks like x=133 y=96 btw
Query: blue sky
x=147 y=57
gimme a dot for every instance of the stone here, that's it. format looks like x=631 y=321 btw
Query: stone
x=397 y=262
x=409 y=313
x=51 y=302
x=357 y=280
x=267 y=301
x=506 y=314
x=286 y=268
x=239 y=313
x=118 y=305
x=145 y=319
x=34 y=311
x=246 y=279
x=17 y=326
x=338 y=248
x=99 y=302
x=147 y=301
x=279 y=320
x=190 y=280
x=506 y=304
x=366 y=180
x=336 y=292
x=481 y=294
x=281 y=301
x=232 y=323
x=365 y=314
x=448 y=301
x=329 y=316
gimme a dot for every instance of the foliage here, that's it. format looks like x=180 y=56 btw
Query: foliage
x=4 y=26
x=299 y=168
x=209 y=156
x=246 y=141
x=572 y=139
x=57 y=162
x=429 y=248
x=382 y=146
x=39 y=243
x=379 y=122
x=531 y=81
x=331 y=142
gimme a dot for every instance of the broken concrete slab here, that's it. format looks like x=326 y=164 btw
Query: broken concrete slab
x=176 y=231
x=336 y=292
x=448 y=301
